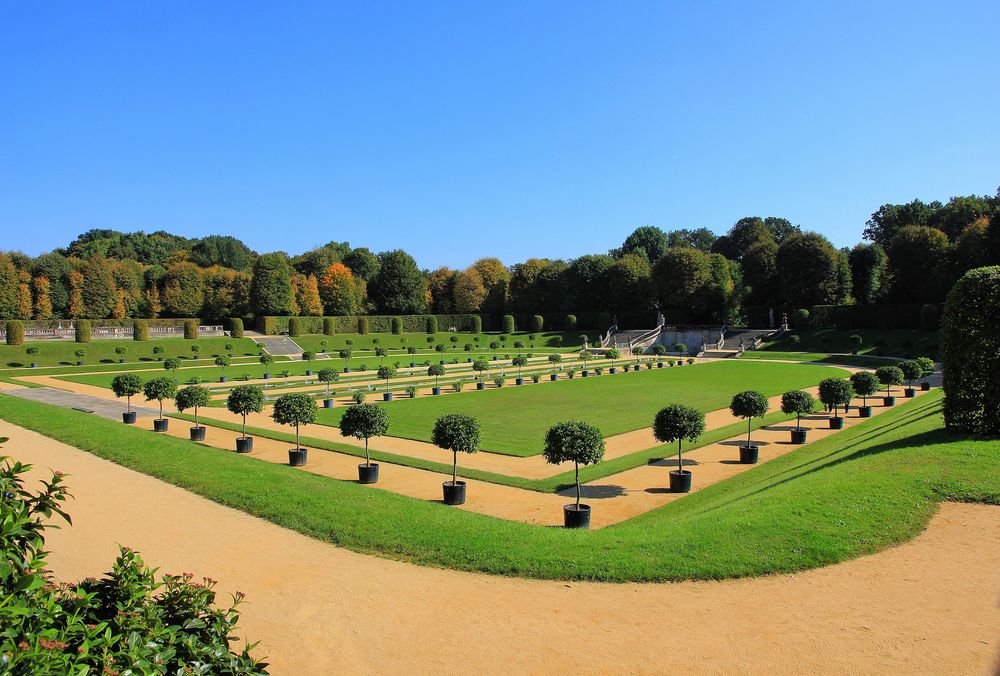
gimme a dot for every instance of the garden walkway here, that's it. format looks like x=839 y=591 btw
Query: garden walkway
x=319 y=609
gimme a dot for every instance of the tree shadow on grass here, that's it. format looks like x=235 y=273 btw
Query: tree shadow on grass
x=846 y=454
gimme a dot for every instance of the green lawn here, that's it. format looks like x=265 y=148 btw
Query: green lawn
x=863 y=361
x=514 y=419
x=62 y=352
x=870 y=487
x=544 y=341
x=908 y=343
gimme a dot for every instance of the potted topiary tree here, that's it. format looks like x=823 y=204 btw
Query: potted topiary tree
x=479 y=366
x=436 y=371
x=680 y=348
x=836 y=392
x=613 y=354
x=889 y=376
x=127 y=385
x=121 y=351
x=242 y=400
x=222 y=361
x=856 y=343
x=554 y=359
x=637 y=352
x=585 y=357
x=32 y=351
x=266 y=360
x=798 y=402
x=158 y=352
x=159 y=389
x=582 y=444
x=911 y=371
x=308 y=357
x=80 y=354
x=195 y=349
x=172 y=364
x=295 y=409
x=519 y=361
x=678 y=422
x=364 y=421
x=927 y=367
x=749 y=405
x=864 y=384
x=385 y=372
x=328 y=376
x=194 y=396
x=456 y=432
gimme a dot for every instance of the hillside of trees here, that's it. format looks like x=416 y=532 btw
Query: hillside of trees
x=912 y=254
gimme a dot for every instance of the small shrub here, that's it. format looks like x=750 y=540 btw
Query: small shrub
x=508 y=324
x=363 y=326
x=537 y=323
x=477 y=324
x=190 y=329
x=411 y=392
x=535 y=378
x=431 y=325
x=457 y=385
x=569 y=323
x=801 y=318
x=358 y=397
x=499 y=381
x=236 y=327
x=397 y=325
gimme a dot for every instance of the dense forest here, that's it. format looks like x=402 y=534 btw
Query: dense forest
x=912 y=254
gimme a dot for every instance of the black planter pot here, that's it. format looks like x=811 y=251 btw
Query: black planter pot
x=480 y=386
x=197 y=433
x=625 y=369
x=267 y=376
x=864 y=411
x=584 y=374
x=161 y=424
x=441 y=362
x=79 y=363
x=244 y=444
x=924 y=387
x=909 y=393
x=519 y=381
x=659 y=364
x=612 y=370
x=680 y=481
x=223 y=379
x=468 y=360
x=799 y=435
x=328 y=403
x=297 y=456
x=554 y=377
x=121 y=361
x=387 y=396
x=748 y=455
x=128 y=418
x=308 y=372
x=836 y=423
x=34 y=365
x=412 y=364
x=347 y=369
x=435 y=391
x=888 y=401
x=368 y=473
x=576 y=517
x=454 y=492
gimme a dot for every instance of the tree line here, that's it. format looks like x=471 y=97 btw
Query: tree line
x=912 y=253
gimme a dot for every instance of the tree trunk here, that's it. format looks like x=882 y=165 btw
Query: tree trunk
x=368 y=460
x=244 y=425
x=577 y=485
x=680 y=464
x=749 y=424
x=296 y=436
x=454 y=467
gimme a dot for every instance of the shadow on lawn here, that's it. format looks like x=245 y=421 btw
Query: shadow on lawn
x=838 y=456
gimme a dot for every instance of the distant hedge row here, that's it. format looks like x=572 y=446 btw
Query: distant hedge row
x=589 y=321
x=846 y=317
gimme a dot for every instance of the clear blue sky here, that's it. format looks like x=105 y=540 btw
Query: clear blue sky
x=465 y=129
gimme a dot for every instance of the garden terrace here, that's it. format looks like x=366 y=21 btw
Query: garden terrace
x=62 y=352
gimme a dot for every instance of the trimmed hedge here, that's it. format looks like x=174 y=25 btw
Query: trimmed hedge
x=508 y=324
x=349 y=323
x=537 y=323
x=140 y=330
x=294 y=327
x=477 y=324
x=363 y=325
x=268 y=325
x=397 y=325
x=236 y=327
x=569 y=323
x=15 y=332
x=82 y=331
x=851 y=317
x=329 y=326
x=431 y=325
x=190 y=329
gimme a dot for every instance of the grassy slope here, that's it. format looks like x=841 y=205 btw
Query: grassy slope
x=544 y=340
x=514 y=419
x=907 y=343
x=854 y=493
x=864 y=361
x=61 y=352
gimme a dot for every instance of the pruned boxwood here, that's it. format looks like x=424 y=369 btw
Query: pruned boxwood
x=236 y=327
x=15 y=332
x=190 y=329
x=82 y=330
x=140 y=330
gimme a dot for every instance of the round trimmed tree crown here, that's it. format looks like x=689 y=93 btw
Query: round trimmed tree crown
x=245 y=399
x=797 y=402
x=327 y=375
x=159 y=389
x=865 y=383
x=126 y=384
x=749 y=404
x=836 y=391
x=676 y=422
x=456 y=432
x=889 y=375
x=294 y=409
x=192 y=396
x=364 y=421
x=575 y=441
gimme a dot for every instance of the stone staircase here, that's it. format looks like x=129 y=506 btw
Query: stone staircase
x=731 y=344
x=279 y=346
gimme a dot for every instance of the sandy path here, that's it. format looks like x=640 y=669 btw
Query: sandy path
x=320 y=609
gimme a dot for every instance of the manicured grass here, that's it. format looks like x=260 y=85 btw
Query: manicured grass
x=908 y=343
x=863 y=361
x=61 y=352
x=854 y=493
x=545 y=341
x=514 y=419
